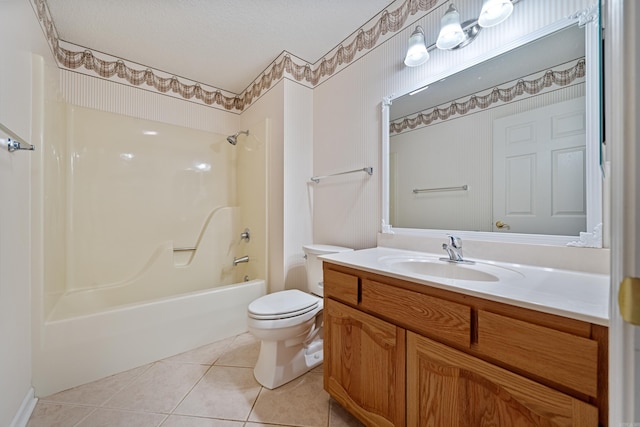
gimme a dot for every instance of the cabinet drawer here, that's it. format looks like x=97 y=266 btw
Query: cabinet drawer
x=341 y=286
x=561 y=357
x=432 y=317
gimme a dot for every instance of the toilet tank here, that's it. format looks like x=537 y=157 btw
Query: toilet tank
x=314 y=265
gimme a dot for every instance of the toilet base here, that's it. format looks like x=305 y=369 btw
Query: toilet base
x=290 y=361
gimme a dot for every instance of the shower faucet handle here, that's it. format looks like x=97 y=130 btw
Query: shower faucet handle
x=245 y=235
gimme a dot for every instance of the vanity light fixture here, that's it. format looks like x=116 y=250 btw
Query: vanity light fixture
x=417 y=53
x=455 y=35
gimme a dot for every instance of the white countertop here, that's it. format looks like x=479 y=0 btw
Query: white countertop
x=573 y=294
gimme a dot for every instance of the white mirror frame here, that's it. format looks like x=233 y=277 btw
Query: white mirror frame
x=587 y=18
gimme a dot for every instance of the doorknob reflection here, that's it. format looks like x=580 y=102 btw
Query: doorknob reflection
x=501 y=225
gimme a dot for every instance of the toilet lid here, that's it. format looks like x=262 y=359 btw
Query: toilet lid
x=281 y=304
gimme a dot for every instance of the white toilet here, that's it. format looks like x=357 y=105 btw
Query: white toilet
x=289 y=324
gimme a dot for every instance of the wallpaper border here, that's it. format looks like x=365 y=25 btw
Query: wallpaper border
x=73 y=57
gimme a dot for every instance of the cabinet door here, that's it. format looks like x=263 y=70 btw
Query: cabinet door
x=364 y=364
x=446 y=387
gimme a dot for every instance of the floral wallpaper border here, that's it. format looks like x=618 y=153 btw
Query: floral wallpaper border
x=345 y=53
x=520 y=88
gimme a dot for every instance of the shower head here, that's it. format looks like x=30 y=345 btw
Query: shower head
x=233 y=139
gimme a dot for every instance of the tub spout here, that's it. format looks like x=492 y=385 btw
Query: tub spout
x=237 y=261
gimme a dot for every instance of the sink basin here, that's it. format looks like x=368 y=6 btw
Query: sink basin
x=434 y=267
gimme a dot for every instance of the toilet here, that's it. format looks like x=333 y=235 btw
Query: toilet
x=289 y=325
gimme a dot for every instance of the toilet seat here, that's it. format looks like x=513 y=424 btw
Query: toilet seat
x=283 y=305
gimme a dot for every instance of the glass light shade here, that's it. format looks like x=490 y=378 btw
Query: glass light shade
x=451 y=34
x=417 y=53
x=494 y=12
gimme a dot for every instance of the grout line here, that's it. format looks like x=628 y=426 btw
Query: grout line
x=254 y=405
x=128 y=383
x=191 y=389
x=163 y=421
x=86 y=416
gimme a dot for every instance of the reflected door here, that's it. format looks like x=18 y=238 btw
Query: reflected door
x=539 y=170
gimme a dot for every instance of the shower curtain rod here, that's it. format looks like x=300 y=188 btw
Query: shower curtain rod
x=317 y=179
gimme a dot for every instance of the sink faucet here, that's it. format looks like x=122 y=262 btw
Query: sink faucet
x=454 y=250
x=237 y=261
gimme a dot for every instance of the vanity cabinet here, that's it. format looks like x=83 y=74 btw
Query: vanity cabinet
x=447 y=387
x=364 y=361
x=402 y=353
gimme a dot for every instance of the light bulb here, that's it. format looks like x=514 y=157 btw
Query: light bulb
x=451 y=34
x=494 y=12
x=417 y=53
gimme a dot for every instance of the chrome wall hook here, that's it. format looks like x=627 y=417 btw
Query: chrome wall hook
x=13 y=145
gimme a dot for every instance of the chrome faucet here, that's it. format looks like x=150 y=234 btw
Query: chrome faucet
x=237 y=261
x=245 y=235
x=454 y=250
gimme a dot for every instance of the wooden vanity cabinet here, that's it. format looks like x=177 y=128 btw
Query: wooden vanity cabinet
x=399 y=353
x=364 y=364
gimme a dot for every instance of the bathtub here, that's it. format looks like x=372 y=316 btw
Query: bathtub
x=136 y=227
x=179 y=299
x=84 y=348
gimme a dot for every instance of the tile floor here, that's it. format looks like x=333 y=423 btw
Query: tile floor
x=211 y=386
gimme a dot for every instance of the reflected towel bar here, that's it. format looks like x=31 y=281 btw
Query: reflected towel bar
x=183 y=249
x=317 y=179
x=434 y=190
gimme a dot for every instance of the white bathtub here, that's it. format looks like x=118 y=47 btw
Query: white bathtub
x=134 y=242
x=85 y=348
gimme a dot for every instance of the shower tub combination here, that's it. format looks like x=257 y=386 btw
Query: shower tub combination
x=150 y=237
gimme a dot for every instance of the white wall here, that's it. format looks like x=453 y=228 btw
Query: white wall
x=288 y=107
x=347 y=118
x=270 y=107
x=20 y=36
x=298 y=189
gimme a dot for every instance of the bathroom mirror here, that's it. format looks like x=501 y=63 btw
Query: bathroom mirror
x=523 y=166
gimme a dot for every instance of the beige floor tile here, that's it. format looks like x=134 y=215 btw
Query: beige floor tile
x=243 y=352
x=97 y=392
x=113 y=418
x=339 y=417
x=224 y=392
x=159 y=389
x=205 y=355
x=301 y=402
x=264 y=425
x=183 y=421
x=49 y=414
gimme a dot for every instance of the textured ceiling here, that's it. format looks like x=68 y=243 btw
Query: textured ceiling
x=222 y=43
